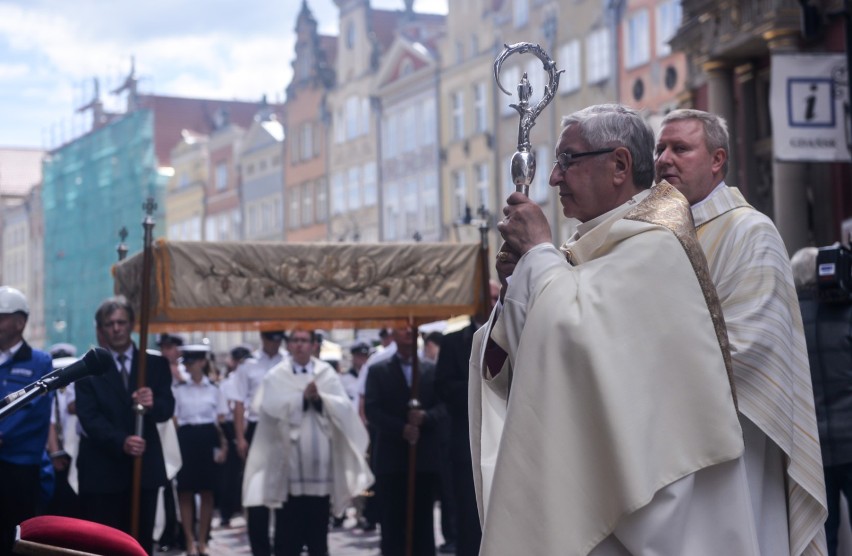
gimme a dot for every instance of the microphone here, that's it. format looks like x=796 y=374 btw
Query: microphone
x=95 y=362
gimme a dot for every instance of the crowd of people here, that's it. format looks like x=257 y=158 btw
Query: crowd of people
x=649 y=387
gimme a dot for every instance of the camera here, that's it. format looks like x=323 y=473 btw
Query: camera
x=834 y=281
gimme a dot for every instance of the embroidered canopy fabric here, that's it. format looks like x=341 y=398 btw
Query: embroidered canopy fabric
x=270 y=285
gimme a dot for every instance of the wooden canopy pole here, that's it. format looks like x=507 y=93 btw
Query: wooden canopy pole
x=142 y=365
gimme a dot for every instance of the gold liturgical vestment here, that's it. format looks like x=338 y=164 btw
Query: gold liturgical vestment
x=617 y=383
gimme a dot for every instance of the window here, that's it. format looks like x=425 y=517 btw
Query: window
x=668 y=20
x=307 y=204
x=278 y=207
x=539 y=189
x=295 y=208
x=391 y=139
x=459 y=52
x=430 y=130
x=338 y=194
x=322 y=200
x=409 y=130
x=266 y=218
x=480 y=115
x=459 y=194
x=458 y=115
x=535 y=75
x=411 y=198
x=350 y=35
x=370 y=190
x=430 y=203
x=637 y=44
x=221 y=176
x=391 y=212
x=307 y=137
x=352 y=104
x=569 y=60
x=521 y=12
x=209 y=229
x=597 y=56
x=482 y=186
x=353 y=188
x=474 y=45
x=365 y=116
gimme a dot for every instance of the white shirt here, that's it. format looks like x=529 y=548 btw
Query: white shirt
x=249 y=375
x=196 y=403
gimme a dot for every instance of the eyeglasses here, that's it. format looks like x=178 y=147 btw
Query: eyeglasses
x=564 y=160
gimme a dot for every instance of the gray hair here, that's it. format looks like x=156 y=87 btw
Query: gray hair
x=715 y=129
x=804 y=263
x=615 y=125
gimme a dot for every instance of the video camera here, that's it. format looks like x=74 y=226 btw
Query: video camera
x=834 y=274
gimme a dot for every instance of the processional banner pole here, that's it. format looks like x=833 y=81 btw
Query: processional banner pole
x=142 y=365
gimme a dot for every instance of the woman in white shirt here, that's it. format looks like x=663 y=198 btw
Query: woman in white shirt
x=202 y=445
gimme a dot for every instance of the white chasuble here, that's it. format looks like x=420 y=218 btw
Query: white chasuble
x=619 y=409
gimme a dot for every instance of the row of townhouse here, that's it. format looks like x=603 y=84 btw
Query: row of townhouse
x=395 y=130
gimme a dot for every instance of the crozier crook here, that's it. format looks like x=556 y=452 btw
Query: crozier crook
x=523 y=161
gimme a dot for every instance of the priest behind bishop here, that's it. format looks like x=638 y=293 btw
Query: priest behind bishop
x=603 y=419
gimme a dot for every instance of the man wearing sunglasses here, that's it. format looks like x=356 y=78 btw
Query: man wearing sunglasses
x=603 y=420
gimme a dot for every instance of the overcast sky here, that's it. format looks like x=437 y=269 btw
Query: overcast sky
x=232 y=49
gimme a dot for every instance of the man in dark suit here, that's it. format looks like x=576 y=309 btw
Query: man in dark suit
x=397 y=428
x=451 y=381
x=109 y=444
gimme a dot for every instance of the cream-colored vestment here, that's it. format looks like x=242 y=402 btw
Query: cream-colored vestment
x=750 y=268
x=612 y=428
x=279 y=404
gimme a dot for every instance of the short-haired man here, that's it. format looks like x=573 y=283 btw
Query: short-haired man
x=109 y=443
x=23 y=434
x=306 y=457
x=600 y=389
x=750 y=268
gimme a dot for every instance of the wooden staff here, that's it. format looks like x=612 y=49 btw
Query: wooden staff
x=413 y=403
x=141 y=380
x=484 y=262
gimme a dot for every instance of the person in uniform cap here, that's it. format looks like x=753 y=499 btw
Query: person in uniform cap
x=231 y=472
x=360 y=352
x=198 y=404
x=62 y=349
x=23 y=434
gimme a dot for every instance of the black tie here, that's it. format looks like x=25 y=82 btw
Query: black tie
x=297 y=370
x=123 y=369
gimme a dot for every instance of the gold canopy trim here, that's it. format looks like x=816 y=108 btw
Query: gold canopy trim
x=270 y=285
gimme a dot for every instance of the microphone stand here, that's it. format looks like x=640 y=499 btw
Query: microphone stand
x=34 y=390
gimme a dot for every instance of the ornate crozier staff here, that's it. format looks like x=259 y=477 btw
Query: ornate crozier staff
x=141 y=380
x=523 y=161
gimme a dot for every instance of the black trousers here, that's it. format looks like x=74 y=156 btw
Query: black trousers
x=838 y=478
x=113 y=509
x=65 y=501
x=394 y=495
x=19 y=496
x=231 y=477
x=469 y=532
x=303 y=521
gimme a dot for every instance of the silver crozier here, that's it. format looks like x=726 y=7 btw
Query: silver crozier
x=523 y=161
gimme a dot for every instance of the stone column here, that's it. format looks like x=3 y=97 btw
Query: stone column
x=720 y=101
x=789 y=179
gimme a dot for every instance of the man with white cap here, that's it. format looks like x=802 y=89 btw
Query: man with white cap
x=23 y=434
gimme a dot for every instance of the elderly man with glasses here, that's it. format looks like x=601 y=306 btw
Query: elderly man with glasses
x=603 y=419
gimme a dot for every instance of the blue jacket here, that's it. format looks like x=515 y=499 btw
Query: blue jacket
x=23 y=435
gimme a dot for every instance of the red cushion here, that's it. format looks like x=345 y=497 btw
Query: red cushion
x=78 y=534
